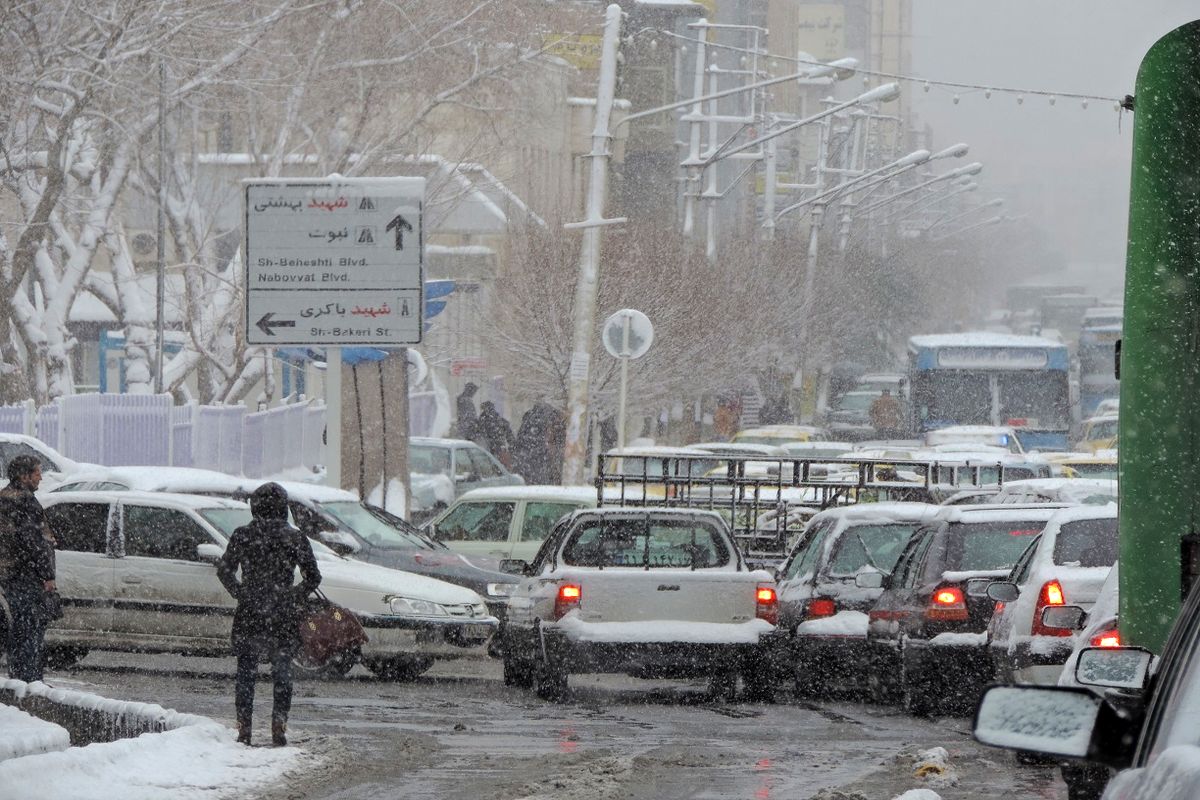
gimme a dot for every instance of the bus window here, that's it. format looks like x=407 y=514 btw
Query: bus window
x=955 y=398
x=1041 y=398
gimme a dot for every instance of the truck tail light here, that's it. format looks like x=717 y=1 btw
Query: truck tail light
x=1050 y=595
x=568 y=597
x=947 y=604
x=1106 y=638
x=766 y=604
x=820 y=607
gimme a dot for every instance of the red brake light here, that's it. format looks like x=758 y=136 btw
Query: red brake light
x=767 y=604
x=568 y=597
x=1050 y=595
x=820 y=607
x=1109 y=638
x=948 y=605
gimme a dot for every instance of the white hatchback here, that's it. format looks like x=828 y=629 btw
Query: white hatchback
x=136 y=573
x=1066 y=566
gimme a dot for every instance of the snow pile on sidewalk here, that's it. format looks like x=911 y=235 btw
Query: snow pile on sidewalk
x=918 y=794
x=195 y=761
x=22 y=734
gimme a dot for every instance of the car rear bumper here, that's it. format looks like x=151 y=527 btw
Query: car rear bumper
x=840 y=661
x=389 y=636
x=954 y=664
x=1038 y=663
x=656 y=659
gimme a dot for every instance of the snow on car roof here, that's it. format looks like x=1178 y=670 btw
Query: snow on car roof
x=1077 y=513
x=989 y=512
x=656 y=450
x=190 y=480
x=572 y=494
x=166 y=498
x=891 y=511
x=981 y=339
x=436 y=442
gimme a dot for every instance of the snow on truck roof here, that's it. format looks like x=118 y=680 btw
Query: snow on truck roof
x=980 y=339
x=570 y=494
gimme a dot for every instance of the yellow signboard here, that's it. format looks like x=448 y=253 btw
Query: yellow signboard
x=821 y=30
x=579 y=49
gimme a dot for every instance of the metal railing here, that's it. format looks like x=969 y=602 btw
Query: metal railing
x=767 y=500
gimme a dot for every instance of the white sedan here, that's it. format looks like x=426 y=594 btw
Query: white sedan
x=136 y=572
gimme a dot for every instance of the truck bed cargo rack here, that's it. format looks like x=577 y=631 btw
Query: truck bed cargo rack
x=766 y=500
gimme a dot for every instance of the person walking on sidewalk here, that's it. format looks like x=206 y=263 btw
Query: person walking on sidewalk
x=26 y=567
x=269 y=607
x=468 y=419
x=495 y=434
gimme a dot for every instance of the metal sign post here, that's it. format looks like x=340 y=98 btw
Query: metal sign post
x=334 y=262
x=627 y=334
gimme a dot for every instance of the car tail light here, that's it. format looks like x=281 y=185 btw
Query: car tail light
x=947 y=605
x=766 y=604
x=1106 y=638
x=1050 y=595
x=568 y=597
x=820 y=607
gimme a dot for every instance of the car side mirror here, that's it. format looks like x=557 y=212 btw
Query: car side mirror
x=1069 y=618
x=1003 y=591
x=340 y=542
x=978 y=587
x=514 y=566
x=209 y=553
x=1060 y=722
x=1113 y=667
x=869 y=580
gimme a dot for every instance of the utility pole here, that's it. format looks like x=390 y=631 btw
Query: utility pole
x=589 y=256
x=160 y=289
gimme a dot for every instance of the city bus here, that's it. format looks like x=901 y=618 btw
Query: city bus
x=1097 y=358
x=983 y=378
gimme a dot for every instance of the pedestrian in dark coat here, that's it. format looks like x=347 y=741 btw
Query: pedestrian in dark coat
x=537 y=453
x=468 y=420
x=26 y=567
x=496 y=434
x=269 y=606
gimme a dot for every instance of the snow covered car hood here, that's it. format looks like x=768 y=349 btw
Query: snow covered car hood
x=358 y=576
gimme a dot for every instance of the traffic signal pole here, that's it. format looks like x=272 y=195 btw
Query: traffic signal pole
x=1160 y=351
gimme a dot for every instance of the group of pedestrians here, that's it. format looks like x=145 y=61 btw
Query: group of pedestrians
x=534 y=452
x=257 y=569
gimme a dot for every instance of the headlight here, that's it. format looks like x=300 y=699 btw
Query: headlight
x=409 y=606
x=501 y=589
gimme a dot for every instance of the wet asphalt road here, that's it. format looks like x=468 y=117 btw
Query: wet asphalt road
x=458 y=732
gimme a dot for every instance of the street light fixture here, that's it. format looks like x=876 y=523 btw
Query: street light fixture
x=970 y=169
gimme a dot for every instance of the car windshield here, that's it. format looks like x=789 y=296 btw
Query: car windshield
x=874 y=545
x=429 y=460
x=1093 y=470
x=358 y=518
x=989 y=545
x=226 y=520
x=652 y=466
x=646 y=543
x=1106 y=429
x=1087 y=543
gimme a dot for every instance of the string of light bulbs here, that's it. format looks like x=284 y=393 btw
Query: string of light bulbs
x=927 y=83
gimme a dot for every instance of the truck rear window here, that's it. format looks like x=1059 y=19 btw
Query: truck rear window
x=646 y=543
x=989 y=545
x=1087 y=543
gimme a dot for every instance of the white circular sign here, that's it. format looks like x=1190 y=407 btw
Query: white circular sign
x=627 y=334
x=418 y=370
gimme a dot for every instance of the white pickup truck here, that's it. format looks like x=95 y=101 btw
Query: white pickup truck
x=652 y=592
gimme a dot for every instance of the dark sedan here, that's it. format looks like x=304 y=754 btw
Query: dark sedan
x=927 y=632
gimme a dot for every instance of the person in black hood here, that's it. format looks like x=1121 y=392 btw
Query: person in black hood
x=269 y=607
x=26 y=567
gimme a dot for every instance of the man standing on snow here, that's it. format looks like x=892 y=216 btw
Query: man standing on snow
x=269 y=606
x=495 y=434
x=26 y=567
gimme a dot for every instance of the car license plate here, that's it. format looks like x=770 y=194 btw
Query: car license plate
x=476 y=631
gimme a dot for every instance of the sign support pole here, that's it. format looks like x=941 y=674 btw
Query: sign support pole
x=624 y=384
x=333 y=417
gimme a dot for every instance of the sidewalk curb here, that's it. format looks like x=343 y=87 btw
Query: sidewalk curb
x=90 y=718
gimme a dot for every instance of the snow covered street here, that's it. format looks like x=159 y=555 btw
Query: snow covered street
x=459 y=733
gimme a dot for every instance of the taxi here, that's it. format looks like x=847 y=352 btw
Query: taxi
x=1099 y=433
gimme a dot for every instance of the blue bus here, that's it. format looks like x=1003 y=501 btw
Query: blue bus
x=982 y=378
x=1097 y=358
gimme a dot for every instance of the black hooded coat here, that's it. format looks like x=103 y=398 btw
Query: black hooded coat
x=269 y=606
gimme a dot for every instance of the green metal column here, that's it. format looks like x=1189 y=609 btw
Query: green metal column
x=1160 y=352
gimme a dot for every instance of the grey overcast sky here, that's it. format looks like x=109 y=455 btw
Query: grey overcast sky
x=1066 y=166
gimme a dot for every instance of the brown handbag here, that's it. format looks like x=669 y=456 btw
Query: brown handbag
x=327 y=631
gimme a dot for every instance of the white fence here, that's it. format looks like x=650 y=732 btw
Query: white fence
x=123 y=429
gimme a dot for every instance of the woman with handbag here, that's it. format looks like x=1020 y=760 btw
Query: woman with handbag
x=269 y=607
